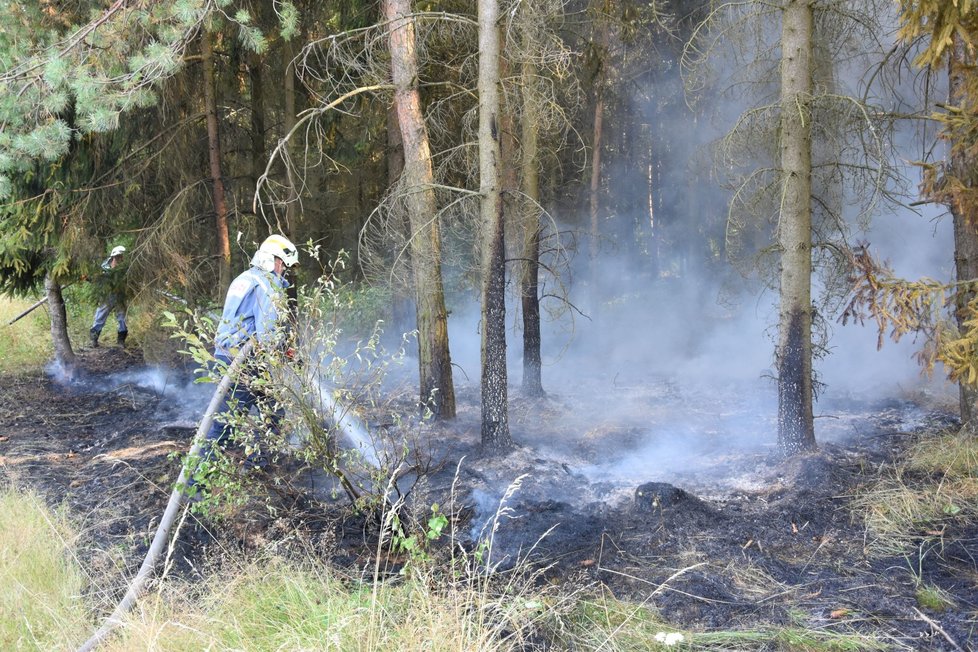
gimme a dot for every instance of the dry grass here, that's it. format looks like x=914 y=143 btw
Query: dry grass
x=935 y=485
x=265 y=604
x=40 y=584
x=446 y=600
x=275 y=604
x=272 y=605
x=953 y=455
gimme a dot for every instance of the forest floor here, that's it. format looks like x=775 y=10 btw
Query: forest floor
x=707 y=526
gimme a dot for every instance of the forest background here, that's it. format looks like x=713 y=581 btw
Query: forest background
x=553 y=159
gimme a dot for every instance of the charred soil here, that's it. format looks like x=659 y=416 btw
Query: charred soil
x=742 y=540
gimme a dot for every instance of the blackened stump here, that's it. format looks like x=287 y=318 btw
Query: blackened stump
x=653 y=496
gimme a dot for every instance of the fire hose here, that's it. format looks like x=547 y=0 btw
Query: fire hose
x=34 y=307
x=177 y=496
x=172 y=508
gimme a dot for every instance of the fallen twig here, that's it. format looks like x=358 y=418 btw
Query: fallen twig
x=938 y=629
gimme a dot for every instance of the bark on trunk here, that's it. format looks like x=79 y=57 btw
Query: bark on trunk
x=495 y=401
x=395 y=148
x=214 y=152
x=595 y=202
x=794 y=355
x=289 y=120
x=530 y=276
x=256 y=81
x=403 y=308
x=435 y=364
x=63 y=353
x=962 y=169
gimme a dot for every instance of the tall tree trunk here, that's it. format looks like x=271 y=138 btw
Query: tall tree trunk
x=962 y=168
x=403 y=307
x=495 y=401
x=63 y=353
x=796 y=430
x=256 y=63
x=530 y=277
x=595 y=190
x=214 y=151
x=289 y=120
x=435 y=364
x=600 y=80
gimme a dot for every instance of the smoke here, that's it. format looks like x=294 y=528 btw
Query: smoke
x=58 y=373
x=167 y=397
x=485 y=505
x=158 y=380
x=671 y=366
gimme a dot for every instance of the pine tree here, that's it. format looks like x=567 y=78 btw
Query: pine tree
x=808 y=159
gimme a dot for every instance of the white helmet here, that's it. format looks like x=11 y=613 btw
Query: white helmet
x=117 y=251
x=275 y=246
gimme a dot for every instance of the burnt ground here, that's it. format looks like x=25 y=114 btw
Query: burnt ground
x=707 y=524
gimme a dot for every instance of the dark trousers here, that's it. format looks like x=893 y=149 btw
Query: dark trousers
x=240 y=398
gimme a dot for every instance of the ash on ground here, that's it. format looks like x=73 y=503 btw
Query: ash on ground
x=666 y=493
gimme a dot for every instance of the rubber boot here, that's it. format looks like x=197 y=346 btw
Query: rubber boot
x=93 y=337
x=120 y=339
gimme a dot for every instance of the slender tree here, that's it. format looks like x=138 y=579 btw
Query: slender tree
x=796 y=430
x=289 y=118
x=435 y=366
x=599 y=56
x=495 y=401
x=811 y=161
x=531 y=226
x=222 y=241
x=946 y=33
x=542 y=95
x=962 y=169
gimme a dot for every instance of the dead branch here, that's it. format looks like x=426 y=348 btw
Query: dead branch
x=938 y=629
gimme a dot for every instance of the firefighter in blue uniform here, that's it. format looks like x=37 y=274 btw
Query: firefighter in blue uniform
x=112 y=291
x=252 y=311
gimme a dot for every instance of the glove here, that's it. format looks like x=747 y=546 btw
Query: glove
x=293 y=357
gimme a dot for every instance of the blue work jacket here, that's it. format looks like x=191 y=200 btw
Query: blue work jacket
x=250 y=311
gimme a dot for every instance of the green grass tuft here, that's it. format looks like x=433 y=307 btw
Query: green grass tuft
x=933 y=598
